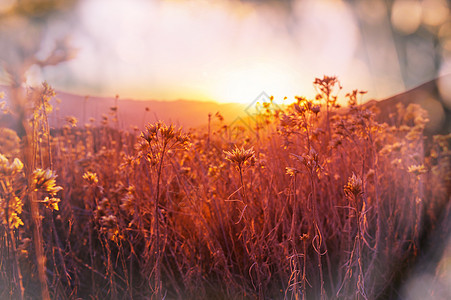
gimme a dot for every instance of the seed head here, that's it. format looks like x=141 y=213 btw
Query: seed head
x=91 y=178
x=45 y=180
x=354 y=186
x=160 y=133
x=72 y=121
x=417 y=169
x=239 y=155
x=7 y=168
x=51 y=203
x=291 y=171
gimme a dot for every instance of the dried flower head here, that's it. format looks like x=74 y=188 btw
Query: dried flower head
x=310 y=160
x=91 y=178
x=239 y=155
x=315 y=109
x=291 y=171
x=14 y=205
x=128 y=200
x=159 y=138
x=51 y=203
x=10 y=169
x=72 y=121
x=417 y=169
x=353 y=187
x=45 y=180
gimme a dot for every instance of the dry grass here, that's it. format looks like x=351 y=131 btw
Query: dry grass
x=309 y=204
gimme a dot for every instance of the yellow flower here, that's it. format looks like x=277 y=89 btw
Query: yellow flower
x=91 y=178
x=291 y=171
x=45 y=180
x=51 y=203
x=15 y=209
x=417 y=169
x=14 y=220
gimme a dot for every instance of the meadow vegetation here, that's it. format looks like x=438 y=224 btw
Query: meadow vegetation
x=301 y=201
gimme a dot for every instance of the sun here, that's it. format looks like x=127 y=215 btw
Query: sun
x=244 y=84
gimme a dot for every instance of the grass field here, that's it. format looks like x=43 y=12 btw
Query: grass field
x=302 y=201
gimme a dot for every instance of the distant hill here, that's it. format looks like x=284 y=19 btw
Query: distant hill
x=189 y=113
x=186 y=113
x=434 y=96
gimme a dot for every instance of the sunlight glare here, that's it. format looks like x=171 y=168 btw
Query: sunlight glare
x=243 y=85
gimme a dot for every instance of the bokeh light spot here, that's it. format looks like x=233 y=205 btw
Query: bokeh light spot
x=406 y=16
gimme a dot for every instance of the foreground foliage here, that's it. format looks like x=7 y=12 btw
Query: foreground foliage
x=303 y=201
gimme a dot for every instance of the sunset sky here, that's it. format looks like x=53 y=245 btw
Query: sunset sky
x=231 y=51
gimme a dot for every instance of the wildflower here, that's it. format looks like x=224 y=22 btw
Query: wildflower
x=299 y=109
x=15 y=221
x=71 y=120
x=354 y=186
x=45 y=180
x=108 y=221
x=10 y=169
x=291 y=171
x=442 y=141
x=213 y=171
x=390 y=148
x=14 y=210
x=310 y=160
x=239 y=156
x=286 y=121
x=219 y=116
x=108 y=226
x=397 y=162
x=415 y=133
x=127 y=204
x=51 y=203
x=315 y=109
x=164 y=136
x=417 y=169
x=91 y=178
x=304 y=236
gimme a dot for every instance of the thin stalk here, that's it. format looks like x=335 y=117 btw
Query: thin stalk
x=318 y=236
x=29 y=154
x=304 y=276
x=158 y=286
x=242 y=182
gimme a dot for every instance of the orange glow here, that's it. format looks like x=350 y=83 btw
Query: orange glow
x=244 y=84
x=221 y=51
x=227 y=50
